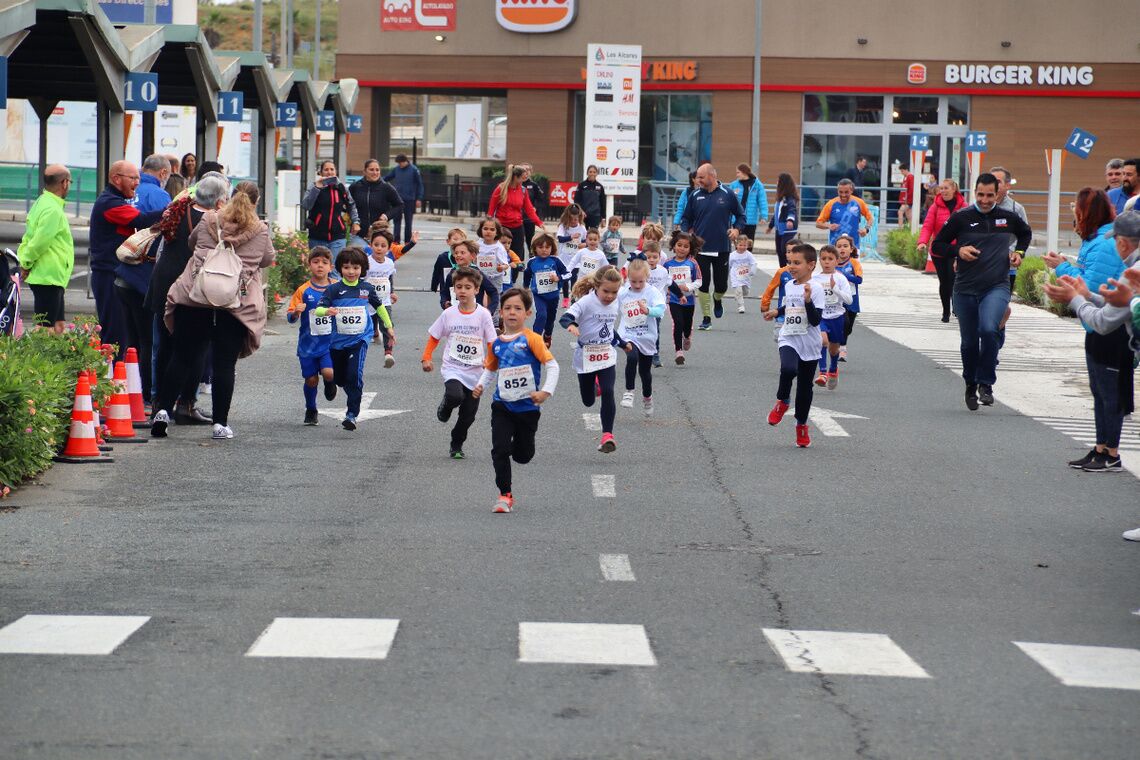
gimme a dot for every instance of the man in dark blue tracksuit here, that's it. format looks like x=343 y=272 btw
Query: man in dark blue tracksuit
x=410 y=185
x=978 y=236
x=713 y=213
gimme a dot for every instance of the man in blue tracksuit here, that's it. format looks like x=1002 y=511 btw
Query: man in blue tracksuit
x=410 y=185
x=714 y=214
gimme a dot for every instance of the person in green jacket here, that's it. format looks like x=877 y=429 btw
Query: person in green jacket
x=47 y=251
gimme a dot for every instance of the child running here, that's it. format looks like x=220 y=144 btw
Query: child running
x=775 y=289
x=591 y=320
x=544 y=274
x=571 y=235
x=741 y=267
x=836 y=296
x=513 y=366
x=851 y=268
x=685 y=277
x=315 y=333
x=444 y=263
x=382 y=276
x=660 y=280
x=611 y=241
x=463 y=255
x=590 y=259
x=351 y=301
x=467 y=331
x=505 y=240
x=640 y=305
x=493 y=260
x=800 y=340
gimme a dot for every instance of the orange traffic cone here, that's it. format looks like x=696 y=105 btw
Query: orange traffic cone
x=134 y=390
x=81 y=446
x=119 y=425
x=92 y=382
x=929 y=264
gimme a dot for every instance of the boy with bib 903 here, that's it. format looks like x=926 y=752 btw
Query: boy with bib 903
x=314 y=335
x=467 y=331
x=513 y=366
x=351 y=303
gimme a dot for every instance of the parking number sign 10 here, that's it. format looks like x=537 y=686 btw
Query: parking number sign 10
x=230 y=106
x=920 y=141
x=976 y=142
x=140 y=92
x=286 y=115
x=1080 y=142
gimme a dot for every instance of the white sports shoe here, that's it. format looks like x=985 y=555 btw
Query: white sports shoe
x=647 y=405
x=222 y=432
x=627 y=399
x=740 y=309
x=1131 y=535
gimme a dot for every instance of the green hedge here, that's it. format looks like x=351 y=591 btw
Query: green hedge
x=288 y=272
x=38 y=373
x=1031 y=275
x=902 y=249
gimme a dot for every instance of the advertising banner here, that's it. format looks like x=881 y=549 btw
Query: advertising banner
x=417 y=15
x=613 y=115
x=468 y=130
x=562 y=193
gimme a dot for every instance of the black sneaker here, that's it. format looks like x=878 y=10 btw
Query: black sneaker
x=311 y=417
x=706 y=324
x=1079 y=464
x=457 y=454
x=349 y=422
x=443 y=411
x=657 y=360
x=718 y=308
x=1104 y=462
x=986 y=395
x=330 y=390
x=972 y=398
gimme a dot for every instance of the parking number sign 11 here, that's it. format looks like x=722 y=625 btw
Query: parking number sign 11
x=230 y=106
x=140 y=92
x=1080 y=142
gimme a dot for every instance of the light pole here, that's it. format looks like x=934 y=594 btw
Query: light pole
x=756 y=92
x=317 y=44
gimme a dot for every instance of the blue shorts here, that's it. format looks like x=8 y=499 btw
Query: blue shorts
x=834 y=329
x=312 y=365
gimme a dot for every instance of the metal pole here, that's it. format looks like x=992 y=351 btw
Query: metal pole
x=257 y=22
x=283 y=32
x=1053 y=218
x=289 y=34
x=317 y=44
x=917 y=159
x=756 y=92
x=150 y=12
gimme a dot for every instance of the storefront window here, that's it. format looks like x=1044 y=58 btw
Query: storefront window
x=915 y=110
x=676 y=135
x=829 y=158
x=848 y=109
x=958 y=110
x=450 y=126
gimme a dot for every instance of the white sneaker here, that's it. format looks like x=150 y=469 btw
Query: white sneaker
x=740 y=309
x=627 y=399
x=647 y=405
x=1131 y=535
x=222 y=432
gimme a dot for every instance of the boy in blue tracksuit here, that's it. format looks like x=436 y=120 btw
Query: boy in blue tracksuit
x=544 y=274
x=314 y=336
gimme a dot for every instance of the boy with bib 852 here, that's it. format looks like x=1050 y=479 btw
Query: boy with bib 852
x=315 y=333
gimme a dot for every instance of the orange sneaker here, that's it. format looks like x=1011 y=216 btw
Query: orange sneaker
x=821 y=380
x=803 y=440
x=608 y=444
x=504 y=504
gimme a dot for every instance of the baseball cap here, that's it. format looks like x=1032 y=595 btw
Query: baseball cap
x=1126 y=225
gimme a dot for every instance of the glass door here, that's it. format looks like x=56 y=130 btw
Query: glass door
x=898 y=157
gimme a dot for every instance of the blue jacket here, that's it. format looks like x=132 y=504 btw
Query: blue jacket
x=757 y=206
x=408 y=182
x=682 y=201
x=150 y=196
x=114 y=218
x=1097 y=261
x=710 y=214
x=1117 y=198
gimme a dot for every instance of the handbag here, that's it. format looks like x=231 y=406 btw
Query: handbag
x=134 y=249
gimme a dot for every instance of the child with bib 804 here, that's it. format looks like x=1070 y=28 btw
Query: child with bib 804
x=314 y=335
x=640 y=305
x=513 y=366
x=466 y=330
x=351 y=302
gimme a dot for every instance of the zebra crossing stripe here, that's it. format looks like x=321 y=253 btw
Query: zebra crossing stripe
x=592 y=421
x=1092 y=667
x=327 y=638
x=616 y=567
x=604 y=486
x=842 y=653
x=585 y=644
x=68 y=634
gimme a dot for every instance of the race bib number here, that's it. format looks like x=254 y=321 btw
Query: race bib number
x=488 y=263
x=546 y=282
x=515 y=383
x=613 y=245
x=466 y=349
x=682 y=277
x=588 y=267
x=350 y=320
x=635 y=313
x=744 y=272
x=382 y=286
x=795 y=320
x=830 y=297
x=596 y=356
x=320 y=325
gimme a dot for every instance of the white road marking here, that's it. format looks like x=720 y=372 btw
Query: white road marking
x=78 y=273
x=825 y=421
x=1094 y=667
x=842 y=653
x=68 y=634
x=616 y=567
x=585 y=644
x=332 y=638
x=592 y=421
x=366 y=414
x=604 y=486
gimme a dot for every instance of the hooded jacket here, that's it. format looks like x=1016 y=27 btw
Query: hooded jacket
x=937 y=216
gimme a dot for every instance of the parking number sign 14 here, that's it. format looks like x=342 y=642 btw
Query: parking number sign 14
x=1080 y=142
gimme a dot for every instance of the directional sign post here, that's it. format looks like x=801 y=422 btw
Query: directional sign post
x=1080 y=143
x=140 y=92
x=919 y=144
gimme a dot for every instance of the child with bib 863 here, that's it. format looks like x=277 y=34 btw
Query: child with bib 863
x=314 y=335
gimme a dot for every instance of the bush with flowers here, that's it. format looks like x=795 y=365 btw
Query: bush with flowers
x=288 y=271
x=38 y=372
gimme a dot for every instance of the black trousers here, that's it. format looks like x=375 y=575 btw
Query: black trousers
x=47 y=301
x=518 y=245
x=161 y=352
x=605 y=378
x=512 y=437
x=456 y=395
x=637 y=363
x=682 y=322
x=140 y=330
x=196 y=330
x=944 y=266
x=792 y=367
x=782 y=246
x=714 y=272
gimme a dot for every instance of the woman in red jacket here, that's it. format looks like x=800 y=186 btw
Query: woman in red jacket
x=509 y=203
x=945 y=203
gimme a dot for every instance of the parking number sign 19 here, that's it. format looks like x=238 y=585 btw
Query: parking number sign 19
x=976 y=142
x=140 y=92
x=286 y=115
x=920 y=141
x=231 y=106
x=1080 y=142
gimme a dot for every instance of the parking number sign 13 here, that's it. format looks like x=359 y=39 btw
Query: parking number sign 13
x=1080 y=142
x=976 y=142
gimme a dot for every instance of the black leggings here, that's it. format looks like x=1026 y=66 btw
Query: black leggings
x=605 y=378
x=944 y=266
x=792 y=367
x=682 y=322
x=140 y=331
x=782 y=247
x=195 y=330
x=848 y=325
x=518 y=245
x=512 y=437
x=714 y=271
x=458 y=395
x=637 y=363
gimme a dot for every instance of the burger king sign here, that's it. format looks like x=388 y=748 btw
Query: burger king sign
x=533 y=16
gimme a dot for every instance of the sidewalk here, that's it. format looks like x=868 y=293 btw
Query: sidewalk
x=1042 y=367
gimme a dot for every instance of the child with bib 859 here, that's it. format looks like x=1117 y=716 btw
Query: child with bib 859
x=544 y=274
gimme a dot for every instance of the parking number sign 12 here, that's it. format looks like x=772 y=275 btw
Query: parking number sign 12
x=230 y=106
x=1080 y=142
x=140 y=92
x=286 y=115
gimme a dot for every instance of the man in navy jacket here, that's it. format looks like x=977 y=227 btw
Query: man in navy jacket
x=714 y=214
x=406 y=177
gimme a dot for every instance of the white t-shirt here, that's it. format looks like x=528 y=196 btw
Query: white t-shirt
x=660 y=279
x=596 y=323
x=587 y=262
x=637 y=327
x=568 y=250
x=464 y=338
x=835 y=299
x=797 y=331
x=741 y=267
x=490 y=257
x=380 y=274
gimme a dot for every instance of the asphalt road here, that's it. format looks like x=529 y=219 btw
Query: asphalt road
x=953 y=534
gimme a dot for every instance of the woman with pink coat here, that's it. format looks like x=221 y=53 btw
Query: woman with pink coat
x=948 y=201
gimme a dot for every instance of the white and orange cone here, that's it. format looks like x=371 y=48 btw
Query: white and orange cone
x=119 y=424
x=134 y=390
x=81 y=445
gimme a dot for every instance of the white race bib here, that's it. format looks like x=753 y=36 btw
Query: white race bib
x=515 y=383
x=634 y=313
x=546 y=282
x=466 y=349
x=382 y=285
x=744 y=272
x=588 y=267
x=613 y=245
x=795 y=319
x=681 y=276
x=319 y=325
x=488 y=263
x=596 y=356
x=350 y=320
x=830 y=297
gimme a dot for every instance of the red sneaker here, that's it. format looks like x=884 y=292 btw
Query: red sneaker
x=608 y=444
x=504 y=504
x=777 y=413
x=803 y=440
x=821 y=380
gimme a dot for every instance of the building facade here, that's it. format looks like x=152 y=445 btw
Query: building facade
x=473 y=83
